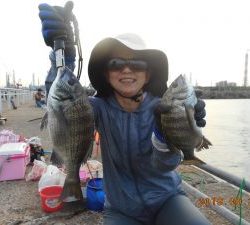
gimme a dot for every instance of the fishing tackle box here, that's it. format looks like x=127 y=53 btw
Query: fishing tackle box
x=13 y=160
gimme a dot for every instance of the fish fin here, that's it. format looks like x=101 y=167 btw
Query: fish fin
x=64 y=120
x=56 y=159
x=205 y=143
x=190 y=116
x=161 y=108
x=192 y=161
x=44 y=122
x=173 y=148
x=71 y=190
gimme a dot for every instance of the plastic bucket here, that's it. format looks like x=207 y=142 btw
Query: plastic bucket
x=50 y=198
x=95 y=194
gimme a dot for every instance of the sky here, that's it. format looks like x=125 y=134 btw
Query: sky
x=204 y=39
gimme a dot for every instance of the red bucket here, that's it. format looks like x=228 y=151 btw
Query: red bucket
x=50 y=197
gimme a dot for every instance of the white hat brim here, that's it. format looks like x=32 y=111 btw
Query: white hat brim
x=156 y=59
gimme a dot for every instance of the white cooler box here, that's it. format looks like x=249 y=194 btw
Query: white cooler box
x=13 y=160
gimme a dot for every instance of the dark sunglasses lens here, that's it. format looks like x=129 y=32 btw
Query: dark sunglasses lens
x=116 y=64
x=138 y=65
x=119 y=64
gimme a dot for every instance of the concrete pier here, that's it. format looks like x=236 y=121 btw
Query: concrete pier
x=20 y=200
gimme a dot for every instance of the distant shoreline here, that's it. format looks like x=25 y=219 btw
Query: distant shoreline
x=225 y=92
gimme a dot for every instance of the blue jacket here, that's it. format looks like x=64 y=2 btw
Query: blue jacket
x=138 y=179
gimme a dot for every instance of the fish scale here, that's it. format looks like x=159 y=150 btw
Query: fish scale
x=70 y=122
x=177 y=118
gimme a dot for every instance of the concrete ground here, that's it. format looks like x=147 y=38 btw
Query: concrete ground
x=21 y=204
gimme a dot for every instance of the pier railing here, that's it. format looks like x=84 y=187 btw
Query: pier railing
x=231 y=179
x=18 y=96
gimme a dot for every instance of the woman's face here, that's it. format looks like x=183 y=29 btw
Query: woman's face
x=127 y=77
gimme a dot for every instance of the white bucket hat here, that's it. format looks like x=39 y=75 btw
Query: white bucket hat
x=156 y=60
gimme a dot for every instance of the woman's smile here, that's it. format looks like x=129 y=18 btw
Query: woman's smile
x=127 y=80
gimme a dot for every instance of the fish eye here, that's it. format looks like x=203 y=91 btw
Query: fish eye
x=72 y=80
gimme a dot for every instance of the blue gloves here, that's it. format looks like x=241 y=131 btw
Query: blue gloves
x=200 y=113
x=158 y=134
x=56 y=25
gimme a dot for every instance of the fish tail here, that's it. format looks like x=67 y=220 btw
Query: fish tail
x=71 y=190
x=205 y=143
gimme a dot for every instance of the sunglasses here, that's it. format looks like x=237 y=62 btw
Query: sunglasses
x=116 y=64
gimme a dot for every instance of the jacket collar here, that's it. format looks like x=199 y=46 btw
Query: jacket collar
x=148 y=101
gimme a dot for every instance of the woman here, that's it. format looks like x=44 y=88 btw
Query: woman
x=141 y=184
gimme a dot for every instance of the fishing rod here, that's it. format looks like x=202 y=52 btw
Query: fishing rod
x=79 y=47
x=59 y=42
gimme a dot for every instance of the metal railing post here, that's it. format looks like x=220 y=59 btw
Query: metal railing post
x=19 y=96
x=1 y=104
